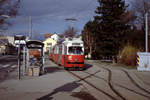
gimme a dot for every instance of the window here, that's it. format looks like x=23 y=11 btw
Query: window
x=49 y=44
x=75 y=50
x=47 y=49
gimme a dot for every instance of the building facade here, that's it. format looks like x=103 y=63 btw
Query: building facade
x=6 y=42
x=49 y=42
x=55 y=37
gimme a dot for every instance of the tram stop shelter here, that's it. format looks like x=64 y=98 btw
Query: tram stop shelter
x=34 y=58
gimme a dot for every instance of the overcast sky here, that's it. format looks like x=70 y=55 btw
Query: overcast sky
x=49 y=15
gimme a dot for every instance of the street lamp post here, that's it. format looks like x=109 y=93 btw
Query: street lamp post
x=146 y=32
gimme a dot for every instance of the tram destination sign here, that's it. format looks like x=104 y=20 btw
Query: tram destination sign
x=75 y=43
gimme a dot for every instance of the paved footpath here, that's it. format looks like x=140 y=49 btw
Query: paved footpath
x=57 y=84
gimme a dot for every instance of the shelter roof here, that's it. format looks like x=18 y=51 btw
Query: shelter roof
x=34 y=44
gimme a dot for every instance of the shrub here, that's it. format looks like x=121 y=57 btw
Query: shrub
x=128 y=55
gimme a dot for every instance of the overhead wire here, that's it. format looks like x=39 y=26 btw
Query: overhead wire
x=79 y=11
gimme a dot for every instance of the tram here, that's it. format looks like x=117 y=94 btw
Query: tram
x=68 y=53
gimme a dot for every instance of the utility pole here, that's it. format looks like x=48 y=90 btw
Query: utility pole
x=146 y=31
x=30 y=27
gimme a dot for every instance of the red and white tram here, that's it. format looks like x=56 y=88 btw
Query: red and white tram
x=69 y=53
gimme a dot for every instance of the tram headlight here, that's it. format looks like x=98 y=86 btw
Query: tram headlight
x=69 y=57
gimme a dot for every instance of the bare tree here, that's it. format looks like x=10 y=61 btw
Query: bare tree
x=129 y=17
x=70 y=32
x=141 y=7
x=88 y=40
x=9 y=8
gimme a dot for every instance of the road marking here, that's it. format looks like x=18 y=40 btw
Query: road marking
x=4 y=66
x=8 y=65
x=13 y=66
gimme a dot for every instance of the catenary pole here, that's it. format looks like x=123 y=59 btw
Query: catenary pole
x=30 y=27
x=146 y=32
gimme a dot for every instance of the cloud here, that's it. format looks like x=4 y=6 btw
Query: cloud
x=55 y=8
x=50 y=15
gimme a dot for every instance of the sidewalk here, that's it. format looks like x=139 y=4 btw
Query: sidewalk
x=57 y=84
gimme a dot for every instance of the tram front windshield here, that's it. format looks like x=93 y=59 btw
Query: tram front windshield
x=75 y=50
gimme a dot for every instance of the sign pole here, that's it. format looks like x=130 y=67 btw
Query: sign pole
x=18 y=40
x=19 y=61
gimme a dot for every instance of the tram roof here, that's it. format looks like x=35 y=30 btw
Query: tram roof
x=74 y=40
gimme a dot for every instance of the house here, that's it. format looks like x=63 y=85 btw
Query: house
x=55 y=36
x=7 y=39
x=3 y=45
x=49 y=42
x=7 y=44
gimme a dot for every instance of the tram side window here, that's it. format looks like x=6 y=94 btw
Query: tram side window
x=75 y=50
x=60 y=50
x=50 y=50
x=65 y=50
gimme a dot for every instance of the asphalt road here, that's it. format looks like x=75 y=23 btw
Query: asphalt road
x=7 y=59
x=8 y=63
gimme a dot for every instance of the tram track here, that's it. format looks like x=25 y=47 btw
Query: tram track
x=148 y=84
x=109 y=82
x=121 y=86
x=92 y=85
x=132 y=81
x=111 y=85
x=86 y=78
